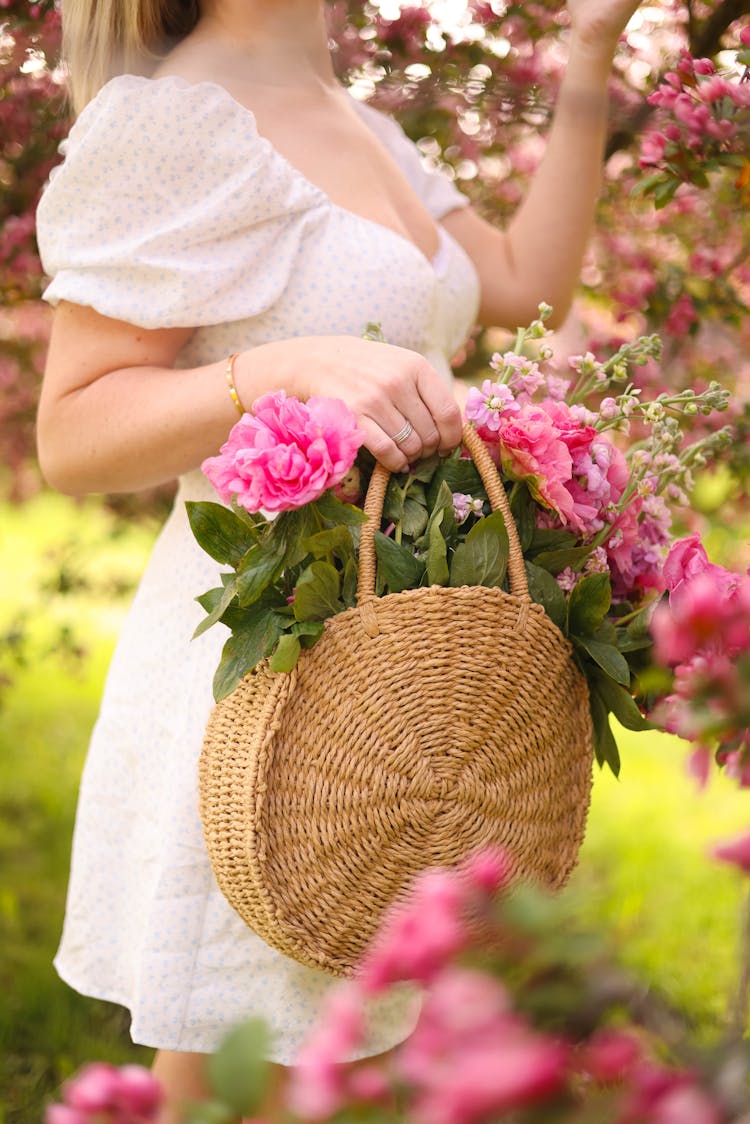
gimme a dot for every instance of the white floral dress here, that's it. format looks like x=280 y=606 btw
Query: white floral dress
x=170 y=210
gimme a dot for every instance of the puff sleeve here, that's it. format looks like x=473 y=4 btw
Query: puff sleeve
x=438 y=193
x=170 y=210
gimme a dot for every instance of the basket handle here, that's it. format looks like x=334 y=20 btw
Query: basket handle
x=375 y=498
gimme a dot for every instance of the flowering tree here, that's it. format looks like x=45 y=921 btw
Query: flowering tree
x=477 y=95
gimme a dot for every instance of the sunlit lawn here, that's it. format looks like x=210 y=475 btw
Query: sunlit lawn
x=643 y=877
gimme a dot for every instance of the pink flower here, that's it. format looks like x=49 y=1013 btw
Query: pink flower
x=471 y=1058
x=488 y=870
x=531 y=449
x=94 y=1088
x=138 y=1092
x=419 y=936
x=745 y=36
x=486 y=407
x=685 y=560
x=318 y=1081
x=286 y=454
x=609 y=1055
x=736 y=851
x=63 y=1114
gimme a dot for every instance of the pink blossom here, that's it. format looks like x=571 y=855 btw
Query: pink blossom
x=94 y=1088
x=487 y=406
x=286 y=454
x=420 y=935
x=682 y=315
x=736 y=851
x=745 y=36
x=369 y=1083
x=138 y=1092
x=653 y=147
x=64 y=1114
x=686 y=1104
x=610 y=1055
x=471 y=1057
x=488 y=870
x=608 y=409
x=318 y=1081
x=557 y=387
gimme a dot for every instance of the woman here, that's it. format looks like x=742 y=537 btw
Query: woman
x=236 y=199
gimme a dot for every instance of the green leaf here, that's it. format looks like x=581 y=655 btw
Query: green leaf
x=208 y=1112
x=397 y=565
x=664 y=192
x=546 y=592
x=425 y=469
x=482 y=558
x=335 y=540
x=459 y=474
x=589 y=604
x=414 y=518
x=437 y=554
x=308 y=632
x=220 y=531
x=543 y=540
x=646 y=185
x=316 y=595
x=605 y=746
x=334 y=510
x=393 y=502
x=261 y=565
x=286 y=653
x=523 y=510
x=558 y=560
x=239 y=1071
x=246 y=647
x=609 y=659
x=621 y=703
x=349 y=582
x=216 y=602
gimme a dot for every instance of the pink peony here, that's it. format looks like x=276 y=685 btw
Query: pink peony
x=286 y=453
x=531 y=449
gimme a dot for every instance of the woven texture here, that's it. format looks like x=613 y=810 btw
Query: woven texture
x=423 y=725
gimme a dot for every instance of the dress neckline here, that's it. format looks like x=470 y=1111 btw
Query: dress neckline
x=437 y=264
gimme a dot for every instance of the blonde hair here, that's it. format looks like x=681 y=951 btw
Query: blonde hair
x=102 y=38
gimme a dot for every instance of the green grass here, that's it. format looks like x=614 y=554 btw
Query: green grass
x=644 y=877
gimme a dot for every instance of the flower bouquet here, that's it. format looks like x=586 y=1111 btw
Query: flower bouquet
x=593 y=520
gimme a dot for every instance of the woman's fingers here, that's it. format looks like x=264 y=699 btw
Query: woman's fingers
x=442 y=406
x=382 y=447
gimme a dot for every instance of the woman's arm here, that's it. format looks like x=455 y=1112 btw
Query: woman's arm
x=538 y=258
x=114 y=416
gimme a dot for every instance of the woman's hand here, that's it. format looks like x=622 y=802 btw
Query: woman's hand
x=598 y=24
x=386 y=387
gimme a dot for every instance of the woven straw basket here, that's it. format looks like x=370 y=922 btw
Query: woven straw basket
x=423 y=725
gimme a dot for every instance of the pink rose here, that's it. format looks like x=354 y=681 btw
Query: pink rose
x=286 y=453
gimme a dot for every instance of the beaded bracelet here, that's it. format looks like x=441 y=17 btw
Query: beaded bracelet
x=230 y=383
